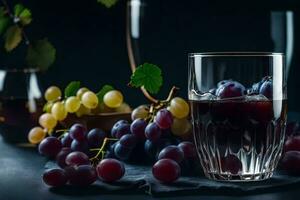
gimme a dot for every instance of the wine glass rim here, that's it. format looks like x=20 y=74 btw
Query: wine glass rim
x=237 y=54
x=24 y=70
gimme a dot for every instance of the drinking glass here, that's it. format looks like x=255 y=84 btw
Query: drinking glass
x=239 y=109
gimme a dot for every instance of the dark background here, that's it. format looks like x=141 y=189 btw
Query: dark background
x=91 y=46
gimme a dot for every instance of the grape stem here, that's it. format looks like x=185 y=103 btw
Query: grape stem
x=101 y=149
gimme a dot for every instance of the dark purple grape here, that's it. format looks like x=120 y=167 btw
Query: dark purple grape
x=220 y=83
x=77 y=158
x=172 y=152
x=291 y=162
x=152 y=132
x=164 y=119
x=122 y=152
x=80 y=146
x=292 y=144
x=138 y=128
x=292 y=128
x=151 y=149
x=231 y=164
x=110 y=170
x=188 y=149
x=50 y=146
x=230 y=89
x=95 y=137
x=77 y=132
x=83 y=175
x=55 y=177
x=66 y=140
x=120 y=128
x=61 y=156
x=266 y=89
x=128 y=141
x=166 y=170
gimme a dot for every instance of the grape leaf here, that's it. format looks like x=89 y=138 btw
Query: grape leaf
x=72 y=89
x=23 y=14
x=3 y=20
x=147 y=76
x=41 y=54
x=103 y=91
x=108 y=3
x=12 y=37
x=18 y=9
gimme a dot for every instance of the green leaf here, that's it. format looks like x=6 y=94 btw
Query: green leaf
x=41 y=54
x=147 y=76
x=12 y=37
x=72 y=89
x=103 y=91
x=24 y=14
x=108 y=3
x=18 y=9
x=4 y=20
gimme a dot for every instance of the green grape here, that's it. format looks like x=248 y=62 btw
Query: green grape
x=58 y=111
x=89 y=100
x=83 y=111
x=36 y=135
x=52 y=93
x=105 y=109
x=123 y=108
x=181 y=127
x=113 y=99
x=47 y=121
x=72 y=104
x=179 y=108
x=140 y=112
x=81 y=91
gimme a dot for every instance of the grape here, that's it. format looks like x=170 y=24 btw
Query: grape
x=77 y=132
x=95 y=137
x=128 y=141
x=50 y=146
x=181 y=127
x=172 y=152
x=55 y=177
x=140 y=112
x=230 y=89
x=83 y=175
x=266 y=88
x=152 y=132
x=231 y=164
x=120 y=128
x=164 y=119
x=123 y=108
x=72 y=104
x=179 y=108
x=47 y=107
x=66 y=140
x=52 y=93
x=291 y=162
x=36 y=135
x=83 y=111
x=188 y=149
x=110 y=170
x=61 y=156
x=151 y=149
x=122 y=152
x=138 y=128
x=113 y=99
x=47 y=121
x=89 y=100
x=292 y=128
x=77 y=158
x=80 y=146
x=292 y=144
x=58 y=111
x=166 y=170
x=81 y=91
x=219 y=84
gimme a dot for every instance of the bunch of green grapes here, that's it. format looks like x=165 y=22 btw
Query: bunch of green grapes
x=85 y=102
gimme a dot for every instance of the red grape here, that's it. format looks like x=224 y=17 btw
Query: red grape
x=166 y=170
x=83 y=175
x=138 y=128
x=291 y=162
x=172 y=152
x=152 y=132
x=77 y=158
x=50 y=146
x=77 y=132
x=188 y=149
x=61 y=156
x=231 y=163
x=164 y=119
x=55 y=177
x=110 y=170
x=292 y=144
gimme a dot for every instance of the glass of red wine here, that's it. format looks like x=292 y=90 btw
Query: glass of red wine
x=239 y=110
x=20 y=103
